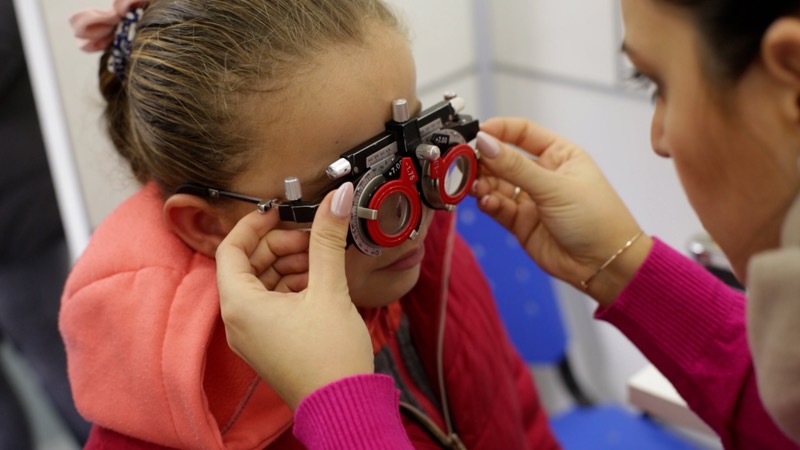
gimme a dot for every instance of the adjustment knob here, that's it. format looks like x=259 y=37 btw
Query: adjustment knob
x=400 y=112
x=338 y=169
x=458 y=104
x=293 y=190
x=428 y=152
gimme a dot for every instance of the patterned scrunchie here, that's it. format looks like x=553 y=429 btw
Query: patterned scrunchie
x=97 y=28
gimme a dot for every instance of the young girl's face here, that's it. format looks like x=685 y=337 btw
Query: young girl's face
x=340 y=101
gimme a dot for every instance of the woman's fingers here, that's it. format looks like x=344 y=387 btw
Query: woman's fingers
x=285 y=266
x=514 y=167
x=280 y=259
x=292 y=283
x=522 y=133
x=242 y=242
x=235 y=272
x=277 y=245
x=504 y=210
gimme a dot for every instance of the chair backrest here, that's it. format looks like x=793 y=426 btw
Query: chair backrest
x=524 y=293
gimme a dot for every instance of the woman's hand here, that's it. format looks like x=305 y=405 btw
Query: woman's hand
x=283 y=266
x=566 y=215
x=297 y=342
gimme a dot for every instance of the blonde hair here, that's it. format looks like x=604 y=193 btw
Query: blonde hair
x=192 y=64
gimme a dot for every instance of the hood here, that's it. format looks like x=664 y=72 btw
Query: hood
x=146 y=349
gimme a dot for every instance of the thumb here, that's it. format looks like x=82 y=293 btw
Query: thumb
x=328 y=241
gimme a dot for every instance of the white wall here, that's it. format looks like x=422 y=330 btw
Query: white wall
x=443 y=41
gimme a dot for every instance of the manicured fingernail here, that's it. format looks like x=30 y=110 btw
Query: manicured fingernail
x=488 y=145
x=342 y=202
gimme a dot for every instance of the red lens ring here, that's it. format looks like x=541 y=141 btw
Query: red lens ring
x=460 y=150
x=375 y=233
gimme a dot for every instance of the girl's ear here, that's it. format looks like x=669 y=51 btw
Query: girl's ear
x=780 y=52
x=198 y=224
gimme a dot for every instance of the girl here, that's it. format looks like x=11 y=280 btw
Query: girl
x=238 y=95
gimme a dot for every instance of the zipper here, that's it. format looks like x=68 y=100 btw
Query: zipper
x=446 y=440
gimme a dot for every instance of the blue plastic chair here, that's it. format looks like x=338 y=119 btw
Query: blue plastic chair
x=530 y=311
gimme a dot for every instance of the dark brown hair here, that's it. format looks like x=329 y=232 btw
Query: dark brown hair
x=733 y=29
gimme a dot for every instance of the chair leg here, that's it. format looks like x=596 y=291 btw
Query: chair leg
x=575 y=390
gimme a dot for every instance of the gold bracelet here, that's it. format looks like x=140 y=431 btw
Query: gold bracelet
x=585 y=283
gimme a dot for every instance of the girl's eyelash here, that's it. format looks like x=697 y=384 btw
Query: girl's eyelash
x=642 y=82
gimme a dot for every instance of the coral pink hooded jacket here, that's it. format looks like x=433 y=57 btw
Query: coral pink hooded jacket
x=149 y=363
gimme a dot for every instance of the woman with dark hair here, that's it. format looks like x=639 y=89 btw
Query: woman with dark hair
x=727 y=112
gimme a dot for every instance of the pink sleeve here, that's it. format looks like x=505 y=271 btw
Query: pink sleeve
x=691 y=326
x=354 y=413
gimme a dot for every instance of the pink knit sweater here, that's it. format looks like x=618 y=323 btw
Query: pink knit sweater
x=686 y=322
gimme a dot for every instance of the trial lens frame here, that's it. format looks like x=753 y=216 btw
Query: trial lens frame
x=422 y=141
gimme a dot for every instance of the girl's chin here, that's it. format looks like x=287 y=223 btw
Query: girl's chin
x=387 y=289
